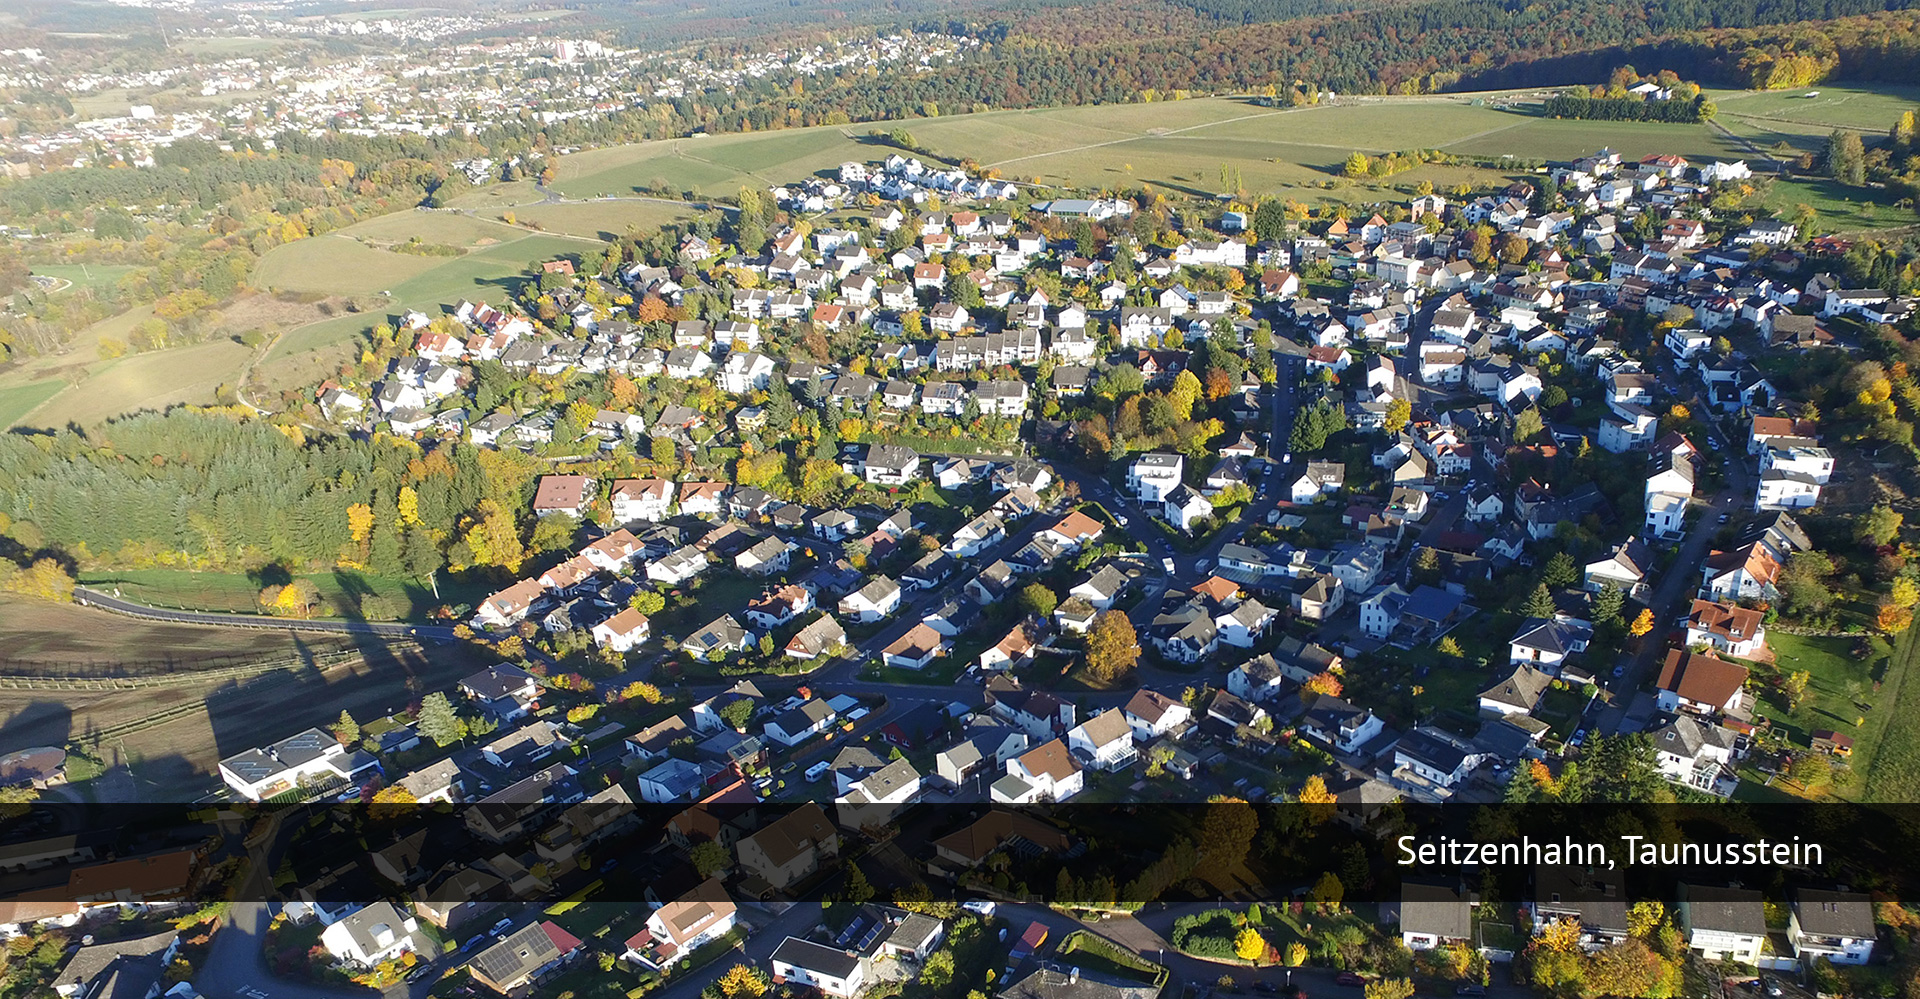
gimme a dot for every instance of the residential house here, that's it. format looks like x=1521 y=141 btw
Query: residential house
x=524 y=956
x=1047 y=772
x=790 y=849
x=1730 y=629
x=1835 y=925
x=1518 y=694
x=1723 y=924
x=1701 y=684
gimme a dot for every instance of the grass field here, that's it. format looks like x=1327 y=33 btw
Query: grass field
x=1181 y=145
x=17 y=401
x=94 y=276
x=146 y=381
x=1837 y=680
x=337 y=265
x=238 y=592
x=607 y=220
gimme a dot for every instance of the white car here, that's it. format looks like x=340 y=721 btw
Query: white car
x=1167 y=564
x=981 y=907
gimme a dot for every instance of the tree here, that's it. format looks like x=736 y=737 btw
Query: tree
x=346 y=729
x=1794 y=687
x=1399 y=411
x=744 y=981
x=737 y=713
x=647 y=602
x=1641 y=624
x=1812 y=771
x=394 y=794
x=1296 y=954
x=937 y=970
x=554 y=532
x=1389 y=988
x=1226 y=834
x=1112 y=646
x=1607 y=604
x=1892 y=618
x=1448 y=646
x=1560 y=571
x=1185 y=392
x=1328 y=891
x=1846 y=158
x=1877 y=526
x=1527 y=425
x=708 y=857
x=1249 y=945
x=438 y=721
x=1539 y=603
x=1357 y=165
x=1037 y=600
x=857 y=890
x=1314 y=792
x=1323 y=682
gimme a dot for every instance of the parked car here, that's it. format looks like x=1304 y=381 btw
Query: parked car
x=1266 y=988
x=1350 y=979
x=501 y=925
x=1471 y=990
x=981 y=907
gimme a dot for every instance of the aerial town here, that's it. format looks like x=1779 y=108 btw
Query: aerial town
x=477 y=520
x=1541 y=567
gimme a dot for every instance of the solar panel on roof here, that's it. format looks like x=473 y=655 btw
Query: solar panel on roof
x=848 y=933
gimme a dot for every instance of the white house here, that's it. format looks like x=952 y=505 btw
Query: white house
x=374 y=934
x=1104 y=741
x=1723 y=924
x=1836 y=925
x=835 y=972
x=1153 y=476
x=1047 y=772
x=877 y=600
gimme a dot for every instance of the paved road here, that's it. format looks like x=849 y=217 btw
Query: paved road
x=109 y=602
x=1682 y=580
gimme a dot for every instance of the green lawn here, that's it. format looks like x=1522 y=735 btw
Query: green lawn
x=17 y=401
x=344 y=590
x=93 y=276
x=1841 y=689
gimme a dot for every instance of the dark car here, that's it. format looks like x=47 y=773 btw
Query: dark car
x=1349 y=978
x=419 y=973
x=1471 y=990
x=1267 y=988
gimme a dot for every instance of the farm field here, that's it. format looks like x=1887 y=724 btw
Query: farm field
x=146 y=381
x=16 y=402
x=1182 y=145
x=173 y=760
x=606 y=220
x=45 y=633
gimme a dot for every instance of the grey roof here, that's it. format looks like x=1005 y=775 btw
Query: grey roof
x=831 y=962
x=518 y=955
x=1446 y=912
x=1045 y=982
x=1834 y=913
x=1429 y=747
x=364 y=926
x=1523 y=689
x=1552 y=634
x=1732 y=910
x=95 y=960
